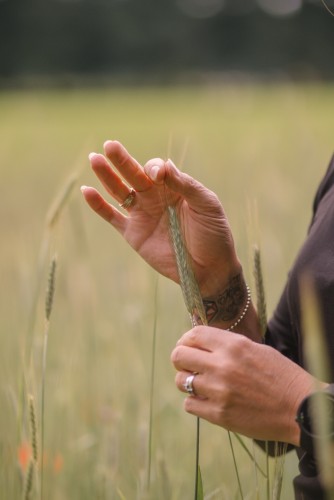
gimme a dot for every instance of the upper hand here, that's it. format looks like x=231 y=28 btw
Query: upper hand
x=145 y=226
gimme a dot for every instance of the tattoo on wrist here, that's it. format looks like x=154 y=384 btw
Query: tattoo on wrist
x=226 y=305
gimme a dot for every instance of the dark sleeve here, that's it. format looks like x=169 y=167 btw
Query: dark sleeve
x=281 y=331
x=317 y=254
x=325 y=185
x=316 y=259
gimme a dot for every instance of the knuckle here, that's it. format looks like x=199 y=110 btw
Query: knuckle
x=192 y=184
x=194 y=334
x=176 y=355
x=219 y=415
x=178 y=380
x=239 y=345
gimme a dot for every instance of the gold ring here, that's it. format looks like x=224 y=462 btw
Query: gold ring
x=128 y=202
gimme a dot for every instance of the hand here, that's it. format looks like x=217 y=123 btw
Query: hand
x=145 y=226
x=240 y=385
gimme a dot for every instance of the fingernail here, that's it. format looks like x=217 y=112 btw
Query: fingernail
x=154 y=172
x=105 y=144
x=82 y=189
x=91 y=155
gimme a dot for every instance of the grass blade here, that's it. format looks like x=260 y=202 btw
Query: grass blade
x=200 y=492
x=250 y=455
x=318 y=364
x=235 y=465
x=153 y=357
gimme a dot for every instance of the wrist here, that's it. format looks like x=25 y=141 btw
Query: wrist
x=227 y=307
x=304 y=384
x=215 y=282
x=315 y=419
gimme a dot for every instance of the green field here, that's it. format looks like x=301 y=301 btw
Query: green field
x=263 y=149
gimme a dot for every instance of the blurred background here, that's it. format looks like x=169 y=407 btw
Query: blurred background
x=239 y=93
x=67 y=41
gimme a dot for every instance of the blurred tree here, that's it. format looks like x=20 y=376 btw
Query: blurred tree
x=162 y=38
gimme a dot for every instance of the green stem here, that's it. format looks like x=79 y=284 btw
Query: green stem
x=235 y=465
x=197 y=457
x=152 y=386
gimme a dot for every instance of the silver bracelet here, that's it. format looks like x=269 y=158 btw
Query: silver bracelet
x=243 y=312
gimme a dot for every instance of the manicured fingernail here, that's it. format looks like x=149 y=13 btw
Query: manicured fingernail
x=154 y=172
x=82 y=189
x=106 y=143
x=91 y=155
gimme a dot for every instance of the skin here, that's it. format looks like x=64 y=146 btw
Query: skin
x=240 y=384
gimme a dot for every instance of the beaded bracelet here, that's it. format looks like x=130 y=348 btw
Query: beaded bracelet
x=243 y=312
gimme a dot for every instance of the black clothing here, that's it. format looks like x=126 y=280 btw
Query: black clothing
x=316 y=257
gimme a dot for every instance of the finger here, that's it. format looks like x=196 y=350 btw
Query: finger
x=104 y=209
x=207 y=338
x=156 y=170
x=198 y=197
x=202 y=408
x=110 y=180
x=181 y=383
x=190 y=359
x=130 y=169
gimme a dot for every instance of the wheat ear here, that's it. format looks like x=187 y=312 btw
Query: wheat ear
x=260 y=291
x=33 y=428
x=188 y=283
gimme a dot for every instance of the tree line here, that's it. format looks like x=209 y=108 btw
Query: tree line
x=155 y=38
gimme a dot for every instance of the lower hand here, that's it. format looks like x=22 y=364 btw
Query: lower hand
x=241 y=385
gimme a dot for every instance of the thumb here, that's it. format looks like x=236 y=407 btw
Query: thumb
x=198 y=197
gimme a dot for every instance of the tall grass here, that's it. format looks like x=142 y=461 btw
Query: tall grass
x=318 y=363
x=244 y=142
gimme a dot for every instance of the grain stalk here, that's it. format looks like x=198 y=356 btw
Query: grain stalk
x=193 y=301
x=318 y=365
x=195 y=307
x=262 y=315
x=32 y=466
x=49 y=296
x=52 y=218
x=280 y=448
x=51 y=221
x=29 y=481
x=153 y=357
